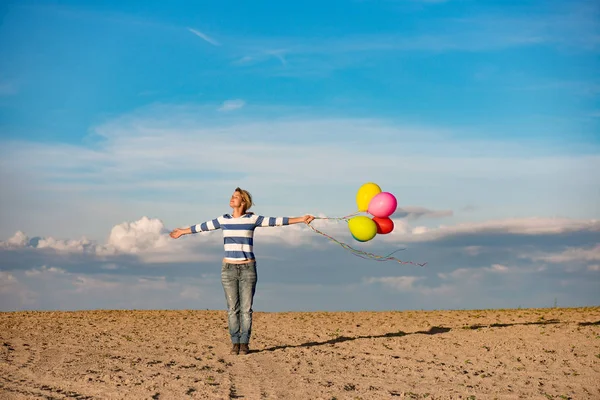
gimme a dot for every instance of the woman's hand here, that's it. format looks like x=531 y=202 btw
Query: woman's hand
x=177 y=233
x=308 y=219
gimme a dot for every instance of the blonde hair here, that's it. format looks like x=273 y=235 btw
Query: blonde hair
x=246 y=197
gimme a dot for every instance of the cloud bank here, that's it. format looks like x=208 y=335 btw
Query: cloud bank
x=139 y=261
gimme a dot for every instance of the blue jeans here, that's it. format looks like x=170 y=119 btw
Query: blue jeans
x=239 y=284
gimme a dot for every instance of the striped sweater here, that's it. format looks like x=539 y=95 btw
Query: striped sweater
x=238 y=233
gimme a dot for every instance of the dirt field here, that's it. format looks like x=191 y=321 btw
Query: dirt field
x=479 y=354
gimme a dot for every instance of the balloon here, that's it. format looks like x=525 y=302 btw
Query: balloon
x=382 y=205
x=384 y=225
x=364 y=195
x=362 y=228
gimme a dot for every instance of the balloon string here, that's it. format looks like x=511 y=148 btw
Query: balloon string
x=340 y=218
x=359 y=253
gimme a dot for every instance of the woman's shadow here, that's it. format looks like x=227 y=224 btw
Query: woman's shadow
x=432 y=331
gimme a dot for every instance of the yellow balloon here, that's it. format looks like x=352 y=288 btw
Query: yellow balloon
x=362 y=228
x=365 y=194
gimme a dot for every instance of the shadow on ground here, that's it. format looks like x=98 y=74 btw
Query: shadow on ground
x=432 y=331
x=589 y=323
x=542 y=322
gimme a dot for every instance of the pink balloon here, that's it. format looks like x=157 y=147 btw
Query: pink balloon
x=383 y=205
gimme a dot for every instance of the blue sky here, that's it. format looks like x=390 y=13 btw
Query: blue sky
x=119 y=122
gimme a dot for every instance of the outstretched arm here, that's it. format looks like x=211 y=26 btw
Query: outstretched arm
x=203 y=227
x=178 y=232
x=307 y=219
x=282 y=221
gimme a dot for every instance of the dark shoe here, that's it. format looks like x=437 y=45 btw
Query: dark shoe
x=244 y=348
x=235 y=349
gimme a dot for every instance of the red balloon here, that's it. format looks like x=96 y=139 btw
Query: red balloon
x=384 y=225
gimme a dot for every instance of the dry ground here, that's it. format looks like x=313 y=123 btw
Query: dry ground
x=479 y=354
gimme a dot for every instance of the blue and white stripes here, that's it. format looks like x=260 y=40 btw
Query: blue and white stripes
x=238 y=233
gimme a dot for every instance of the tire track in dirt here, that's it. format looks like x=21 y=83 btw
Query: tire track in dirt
x=5 y=390
x=31 y=357
x=18 y=355
x=8 y=354
x=247 y=378
x=243 y=383
x=9 y=382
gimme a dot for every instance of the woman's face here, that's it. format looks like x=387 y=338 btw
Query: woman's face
x=236 y=200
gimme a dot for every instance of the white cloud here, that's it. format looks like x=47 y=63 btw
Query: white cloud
x=54 y=288
x=204 y=37
x=279 y=54
x=473 y=250
x=138 y=236
x=21 y=240
x=6 y=280
x=244 y=60
x=570 y=255
x=475 y=274
x=514 y=226
x=18 y=240
x=96 y=278
x=44 y=271
x=13 y=294
x=108 y=283
x=146 y=238
x=409 y=284
x=230 y=105
x=403 y=283
x=457 y=286
x=498 y=268
x=413 y=213
x=87 y=284
x=190 y=292
x=160 y=150
x=71 y=246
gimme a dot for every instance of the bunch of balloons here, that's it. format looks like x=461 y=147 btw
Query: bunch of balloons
x=381 y=205
x=371 y=199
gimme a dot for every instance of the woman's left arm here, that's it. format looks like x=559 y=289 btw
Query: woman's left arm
x=307 y=219
x=282 y=221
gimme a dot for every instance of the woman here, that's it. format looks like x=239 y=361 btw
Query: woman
x=238 y=270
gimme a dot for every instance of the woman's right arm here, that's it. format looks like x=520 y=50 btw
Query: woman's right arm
x=178 y=232
x=203 y=227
